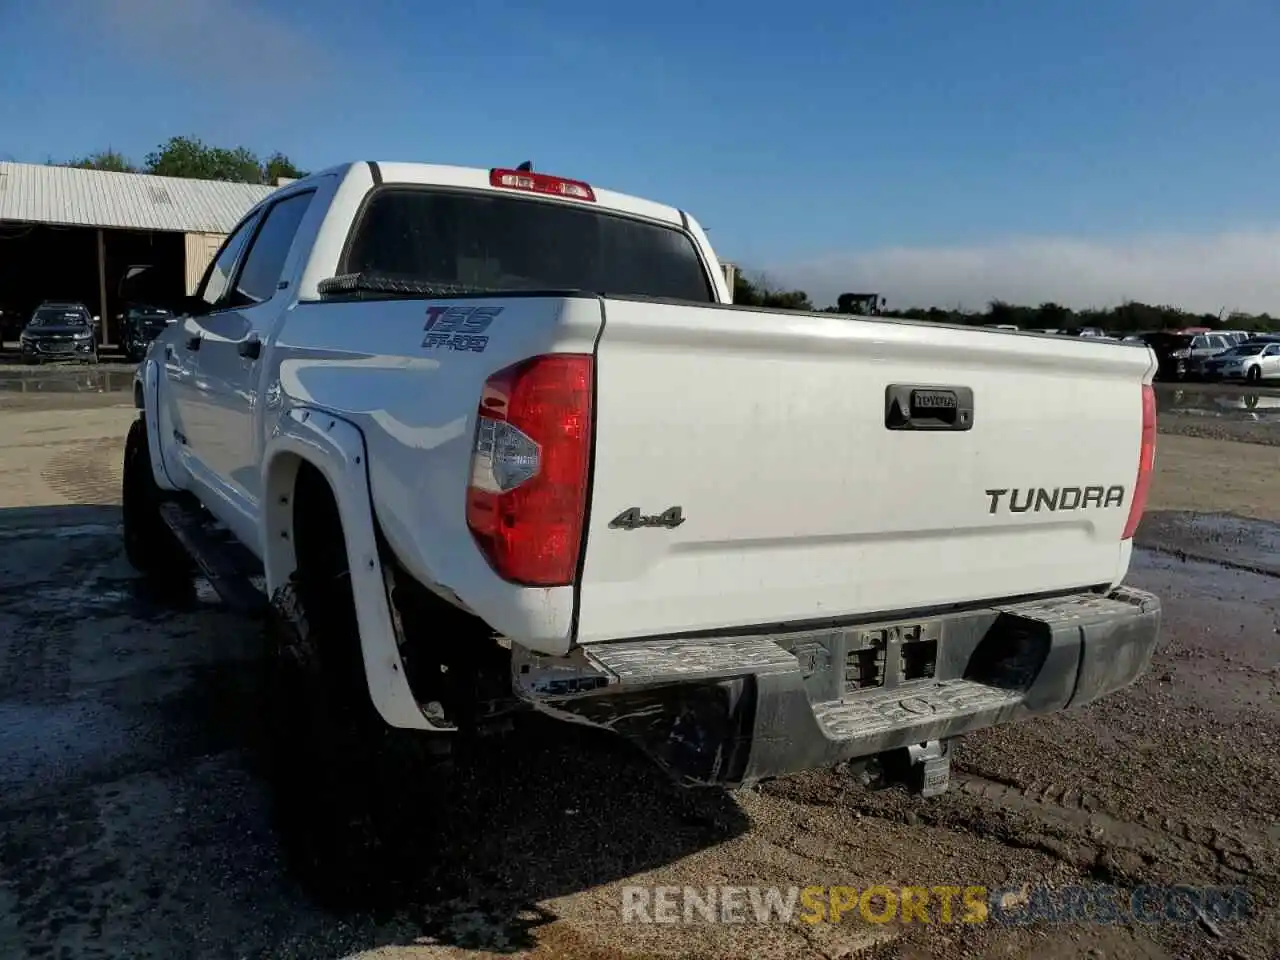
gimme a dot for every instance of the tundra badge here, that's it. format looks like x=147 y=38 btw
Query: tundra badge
x=1059 y=498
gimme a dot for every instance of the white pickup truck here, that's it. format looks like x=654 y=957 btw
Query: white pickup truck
x=499 y=440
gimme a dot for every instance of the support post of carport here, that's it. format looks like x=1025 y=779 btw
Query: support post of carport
x=102 y=290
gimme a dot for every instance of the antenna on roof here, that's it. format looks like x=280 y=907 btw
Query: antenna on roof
x=526 y=167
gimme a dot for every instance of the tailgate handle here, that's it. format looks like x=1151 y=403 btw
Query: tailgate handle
x=919 y=406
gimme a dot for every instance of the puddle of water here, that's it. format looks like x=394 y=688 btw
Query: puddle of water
x=66 y=380
x=1246 y=406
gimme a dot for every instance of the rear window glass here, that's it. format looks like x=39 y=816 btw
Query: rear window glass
x=487 y=242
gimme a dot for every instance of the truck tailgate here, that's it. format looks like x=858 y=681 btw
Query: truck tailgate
x=797 y=502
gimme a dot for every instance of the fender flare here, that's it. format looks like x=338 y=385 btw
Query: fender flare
x=336 y=448
x=150 y=377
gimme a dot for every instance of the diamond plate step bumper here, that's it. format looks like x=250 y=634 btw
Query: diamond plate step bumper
x=733 y=710
x=927 y=708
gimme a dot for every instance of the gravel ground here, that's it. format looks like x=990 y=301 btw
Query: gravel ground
x=133 y=819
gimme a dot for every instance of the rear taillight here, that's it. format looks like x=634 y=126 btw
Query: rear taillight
x=528 y=492
x=1146 y=462
x=541 y=183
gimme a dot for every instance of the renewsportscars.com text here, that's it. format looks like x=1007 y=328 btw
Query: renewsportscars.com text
x=939 y=904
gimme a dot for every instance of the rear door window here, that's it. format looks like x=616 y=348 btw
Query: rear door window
x=478 y=242
x=264 y=262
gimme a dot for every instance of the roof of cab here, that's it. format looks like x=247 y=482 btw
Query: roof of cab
x=477 y=178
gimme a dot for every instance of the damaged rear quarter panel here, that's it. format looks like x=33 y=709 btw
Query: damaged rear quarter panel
x=374 y=363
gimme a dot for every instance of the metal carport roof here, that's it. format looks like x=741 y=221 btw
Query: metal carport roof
x=70 y=196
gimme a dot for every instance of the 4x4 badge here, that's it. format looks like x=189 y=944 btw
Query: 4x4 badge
x=633 y=519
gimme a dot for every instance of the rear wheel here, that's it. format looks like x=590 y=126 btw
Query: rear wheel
x=345 y=785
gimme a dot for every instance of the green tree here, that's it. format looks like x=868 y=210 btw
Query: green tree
x=761 y=293
x=1054 y=316
x=190 y=157
x=110 y=160
x=1000 y=312
x=278 y=165
x=1129 y=317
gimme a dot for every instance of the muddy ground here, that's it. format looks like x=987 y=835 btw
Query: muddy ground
x=133 y=817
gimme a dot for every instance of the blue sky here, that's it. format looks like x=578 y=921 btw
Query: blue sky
x=940 y=151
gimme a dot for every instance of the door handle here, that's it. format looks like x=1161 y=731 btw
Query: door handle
x=193 y=342
x=250 y=347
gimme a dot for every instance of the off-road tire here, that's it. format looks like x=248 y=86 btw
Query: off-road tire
x=347 y=789
x=149 y=544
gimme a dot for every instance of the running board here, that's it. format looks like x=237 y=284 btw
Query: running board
x=219 y=557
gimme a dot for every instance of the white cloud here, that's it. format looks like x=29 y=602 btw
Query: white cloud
x=230 y=49
x=1235 y=270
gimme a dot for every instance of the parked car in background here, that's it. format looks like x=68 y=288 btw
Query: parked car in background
x=59 y=331
x=1252 y=361
x=139 y=325
x=1172 y=351
x=1090 y=333
x=1205 y=346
